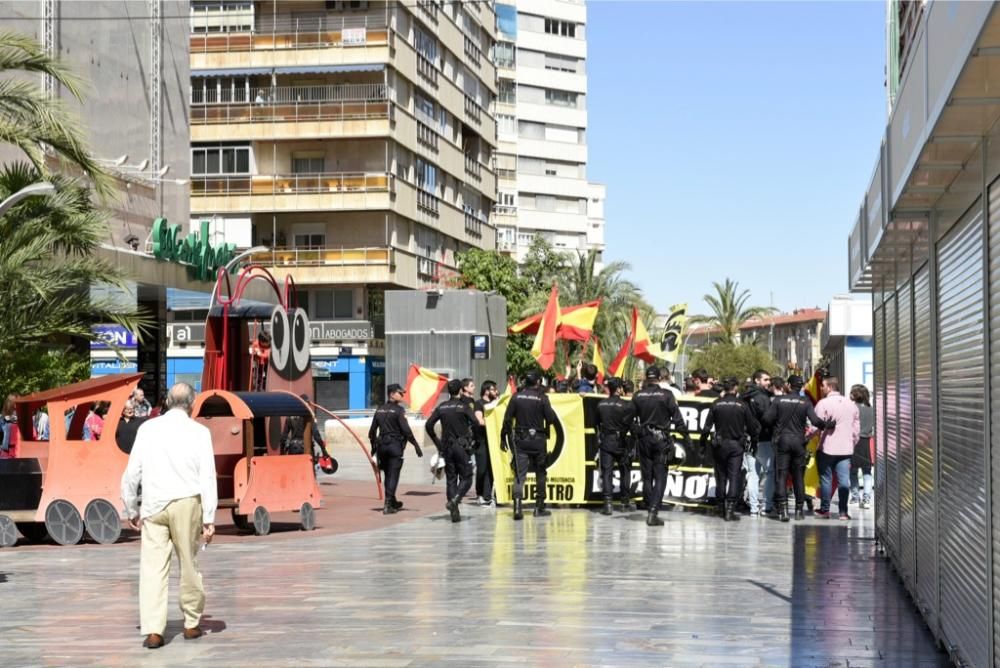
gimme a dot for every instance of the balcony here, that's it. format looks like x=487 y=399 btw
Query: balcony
x=473 y=52
x=428 y=269
x=427 y=70
x=473 y=111
x=427 y=137
x=429 y=9
x=474 y=224
x=339 y=265
x=473 y=168
x=429 y=202
x=291 y=192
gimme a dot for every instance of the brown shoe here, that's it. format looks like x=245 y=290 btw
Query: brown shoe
x=153 y=641
x=192 y=634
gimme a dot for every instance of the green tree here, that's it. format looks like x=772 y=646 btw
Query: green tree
x=35 y=372
x=730 y=359
x=542 y=266
x=729 y=310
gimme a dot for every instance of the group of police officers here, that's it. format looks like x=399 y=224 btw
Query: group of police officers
x=625 y=428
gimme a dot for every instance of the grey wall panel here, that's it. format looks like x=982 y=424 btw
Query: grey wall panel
x=879 y=403
x=907 y=546
x=926 y=452
x=965 y=587
x=891 y=498
x=994 y=269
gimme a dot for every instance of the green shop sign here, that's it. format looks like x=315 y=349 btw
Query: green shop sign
x=203 y=260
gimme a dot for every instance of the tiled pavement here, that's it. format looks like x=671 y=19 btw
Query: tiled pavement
x=575 y=589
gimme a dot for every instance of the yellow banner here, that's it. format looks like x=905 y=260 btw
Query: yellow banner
x=673 y=334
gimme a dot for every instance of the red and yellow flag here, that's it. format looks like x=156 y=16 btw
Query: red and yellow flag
x=423 y=387
x=618 y=362
x=576 y=323
x=598 y=361
x=812 y=388
x=643 y=347
x=544 y=348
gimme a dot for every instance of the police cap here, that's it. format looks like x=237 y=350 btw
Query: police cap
x=392 y=389
x=613 y=384
x=795 y=382
x=653 y=372
x=532 y=378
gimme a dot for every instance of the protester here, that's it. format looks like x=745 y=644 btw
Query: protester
x=588 y=379
x=861 y=462
x=704 y=384
x=759 y=458
x=488 y=394
x=836 y=446
x=128 y=427
x=9 y=434
x=142 y=407
x=174 y=462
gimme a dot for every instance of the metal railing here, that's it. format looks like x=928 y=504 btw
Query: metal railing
x=291 y=184
x=473 y=224
x=265 y=112
x=473 y=110
x=427 y=69
x=429 y=8
x=427 y=136
x=428 y=201
x=365 y=92
x=504 y=210
x=473 y=52
x=473 y=168
x=296 y=33
x=428 y=268
x=326 y=257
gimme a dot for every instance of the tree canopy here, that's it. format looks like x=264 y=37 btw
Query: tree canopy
x=729 y=310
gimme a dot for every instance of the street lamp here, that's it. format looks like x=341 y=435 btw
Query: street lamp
x=40 y=188
x=685 y=356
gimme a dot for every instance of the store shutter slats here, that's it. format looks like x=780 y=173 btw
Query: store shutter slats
x=891 y=537
x=879 y=360
x=904 y=517
x=965 y=597
x=925 y=498
x=994 y=263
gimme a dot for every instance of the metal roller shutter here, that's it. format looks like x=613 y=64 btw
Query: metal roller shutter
x=879 y=359
x=994 y=218
x=891 y=498
x=965 y=586
x=926 y=452
x=907 y=548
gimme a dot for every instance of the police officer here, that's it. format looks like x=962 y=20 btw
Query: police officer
x=733 y=423
x=457 y=418
x=788 y=413
x=388 y=436
x=526 y=426
x=655 y=409
x=614 y=423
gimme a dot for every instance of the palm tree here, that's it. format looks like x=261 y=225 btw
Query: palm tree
x=730 y=310
x=36 y=124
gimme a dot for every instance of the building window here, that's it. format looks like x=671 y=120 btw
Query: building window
x=561 y=98
x=506 y=198
x=337 y=304
x=221 y=16
x=309 y=164
x=426 y=176
x=561 y=28
x=310 y=240
x=506 y=125
x=503 y=55
x=425 y=45
x=561 y=63
x=220 y=159
x=506 y=92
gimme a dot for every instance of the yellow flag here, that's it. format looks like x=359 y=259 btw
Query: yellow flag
x=673 y=334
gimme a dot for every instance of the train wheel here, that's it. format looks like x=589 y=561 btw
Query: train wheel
x=63 y=522
x=103 y=522
x=8 y=532
x=307 y=516
x=261 y=521
x=34 y=532
x=241 y=522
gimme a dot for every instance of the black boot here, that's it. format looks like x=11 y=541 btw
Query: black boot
x=453 y=509
x=783 y=512
x=396 y=504
x=723 y=510
x=607 y=509
x=517 y=510
x=540 y=510
x=628 y=506
x=799 y=515
x=653 y=519
x=731 y=512
x=388 y=509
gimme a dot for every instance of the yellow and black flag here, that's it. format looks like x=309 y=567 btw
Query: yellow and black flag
x=673 y=334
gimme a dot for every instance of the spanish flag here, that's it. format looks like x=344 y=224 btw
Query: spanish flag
x=812 y=388
x=598 y=361
x=544 y=348
x=576 y=323
x=618 y=362
x=423 y=387
x=644 y=347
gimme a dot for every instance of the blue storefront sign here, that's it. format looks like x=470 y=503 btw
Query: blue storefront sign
x=111 y=367
x=113 y=335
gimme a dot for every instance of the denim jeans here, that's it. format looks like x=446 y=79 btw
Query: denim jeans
x=827 y=465
x=765 y=469
x=867 y=481
x=753 y=482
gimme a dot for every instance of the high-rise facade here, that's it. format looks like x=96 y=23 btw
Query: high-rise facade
x=353 y=139
x=541 y=113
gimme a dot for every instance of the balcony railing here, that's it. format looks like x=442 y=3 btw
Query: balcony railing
x=473 y=168
x=473 y=224
x=473 y=110
x=290 y=184
x=504 y=210
x=366 y=92
x=241 y=112
x=296 y=33
x=429 y=202
x=427 y=69
x=428 y=268
x=430 y=9
x=325 y=257
x=473 y=52
x=427 y=136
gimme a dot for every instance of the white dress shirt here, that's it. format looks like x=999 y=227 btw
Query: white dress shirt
x=172 y=459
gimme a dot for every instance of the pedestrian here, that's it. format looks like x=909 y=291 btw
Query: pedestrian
x=788 y=415
x=388 y=436
x=836 y=446
x=41 y=424
x=526 y=424
x=656 y=409
x=160 y=408
x=734 y=424
x=93 y=426
x=10 y=437
x=861 y=462
x=759 y=459
x=456 y=443
x=128 y=427
x=614 y=423
x=488 y=394
x=174 y=463
x=588 y=378
x=142 y=407
x=704 y=384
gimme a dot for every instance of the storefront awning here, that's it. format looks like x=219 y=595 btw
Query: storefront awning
x=294 y=69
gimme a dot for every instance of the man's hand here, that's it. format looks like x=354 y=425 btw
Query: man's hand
x=134 y=523
x=208 y=532
x=374 y=448
x=420 y=453
x=503 y=445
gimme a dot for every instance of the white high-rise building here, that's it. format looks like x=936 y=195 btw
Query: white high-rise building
x=541 y=111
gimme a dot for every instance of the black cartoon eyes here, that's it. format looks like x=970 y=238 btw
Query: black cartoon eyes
x=290 y=341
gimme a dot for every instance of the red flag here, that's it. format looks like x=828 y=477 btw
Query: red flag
x=619 y=361
x=598 y=361
x=544 y=348
x=512 y=386
x=423 y=387
x=643 y=344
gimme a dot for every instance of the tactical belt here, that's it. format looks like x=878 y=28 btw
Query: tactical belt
x=525 y=434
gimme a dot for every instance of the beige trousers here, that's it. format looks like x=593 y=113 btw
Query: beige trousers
x=179 y=526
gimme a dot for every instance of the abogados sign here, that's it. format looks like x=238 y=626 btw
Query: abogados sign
x=202 y=259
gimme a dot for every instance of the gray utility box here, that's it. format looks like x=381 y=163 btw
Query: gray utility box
x=439 y=329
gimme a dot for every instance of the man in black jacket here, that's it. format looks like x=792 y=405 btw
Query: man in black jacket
x=456 y=444
x=488 y=393
x=388 y=436
x=734 y=423
x=613 y=424
x=759 y=460
x=788 y=414
x=526 y=426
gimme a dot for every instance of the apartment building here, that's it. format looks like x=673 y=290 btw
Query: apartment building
x=541 y=113
x=355 y=141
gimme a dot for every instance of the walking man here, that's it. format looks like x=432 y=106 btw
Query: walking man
x=734 y=423
x=526 y=424
x=484 y=473
x=173 y=461
x=656 y=409
x=615 y=420
x=837 y=446
x=388 y=436
x=456 y=442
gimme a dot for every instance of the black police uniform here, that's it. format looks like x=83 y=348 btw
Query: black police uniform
x=455 y=445
x=656 y=408
x=788 y=414
x=388 y=436
x=733 y=422
x=614 y=424
x=526 y=423
x=484 y=474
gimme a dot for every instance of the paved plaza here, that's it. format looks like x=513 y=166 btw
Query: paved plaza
x=575 y=589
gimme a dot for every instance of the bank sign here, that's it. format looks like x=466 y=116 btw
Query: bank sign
x=202 y=259
x=109 y=337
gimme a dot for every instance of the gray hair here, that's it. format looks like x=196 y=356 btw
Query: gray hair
x=129 y=404
x=181 y=396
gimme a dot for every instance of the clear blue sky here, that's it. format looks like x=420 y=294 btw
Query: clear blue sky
x=736 y=139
